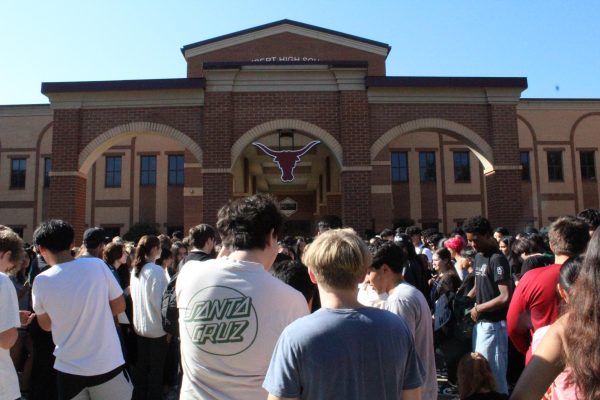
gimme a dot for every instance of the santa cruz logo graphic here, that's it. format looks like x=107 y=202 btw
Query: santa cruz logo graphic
x=286 y=160
x=221 y=321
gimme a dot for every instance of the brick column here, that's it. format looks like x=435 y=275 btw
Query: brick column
x=382 y=201
x=193 y=192
x=503 y=185
x=66 y=195
x=217 y=187
x=356 y=171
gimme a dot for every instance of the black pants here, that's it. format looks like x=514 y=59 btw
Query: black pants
x=43 y=374
x=151 y=356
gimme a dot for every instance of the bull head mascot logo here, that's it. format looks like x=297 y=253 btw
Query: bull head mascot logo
x=286 y=160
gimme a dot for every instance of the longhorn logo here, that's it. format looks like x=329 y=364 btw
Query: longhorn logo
x=286 y=160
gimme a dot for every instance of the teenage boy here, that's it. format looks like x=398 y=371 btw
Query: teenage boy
x=231 y=310
x=492 y=292
x=385 y=275
x=76 y=299
x=344 y=350
x=11 y=251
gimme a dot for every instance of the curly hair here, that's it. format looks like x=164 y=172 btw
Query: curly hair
x=583 y=355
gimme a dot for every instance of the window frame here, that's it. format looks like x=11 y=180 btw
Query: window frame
x=179 y=172
x=111 y=172
x=555 y=172
x=18 y=177
x=397 y=169
x=148 y=171
x=590 y=175
x=525 y=167
x=427 y=167
x=464 y=168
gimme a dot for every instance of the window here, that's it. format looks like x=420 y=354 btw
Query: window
x=462 y=166
x=47 y=169
x=588 y=165
x=427 y=166
x=113 y=171
x=17 y=173
x=525 y=171
x=399 y=166
x=555 y=168
x=176 y=170
x=148 y=171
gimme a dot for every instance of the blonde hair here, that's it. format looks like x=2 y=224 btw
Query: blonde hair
x=474 y=375
x=338 y=258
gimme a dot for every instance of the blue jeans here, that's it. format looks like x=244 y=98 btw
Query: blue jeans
x=491 y=340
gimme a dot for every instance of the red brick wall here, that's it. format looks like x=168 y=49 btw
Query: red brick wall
x=280 y=45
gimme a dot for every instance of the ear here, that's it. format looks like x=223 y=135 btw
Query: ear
x=313 y=279
x=270 y=239
x=563 y=293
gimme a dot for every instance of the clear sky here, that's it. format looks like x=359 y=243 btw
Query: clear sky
x=555 y=44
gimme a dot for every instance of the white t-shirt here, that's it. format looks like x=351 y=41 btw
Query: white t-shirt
x=146 y=296
x=9 y=318
x=409 y=303
x=231 y=314
x=422 y=249
x=76 y=295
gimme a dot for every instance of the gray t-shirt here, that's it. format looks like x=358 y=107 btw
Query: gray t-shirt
x=363 y=353
x=409 y=303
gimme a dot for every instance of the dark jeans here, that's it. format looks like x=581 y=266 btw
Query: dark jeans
x=43 y=375
x=151 y=356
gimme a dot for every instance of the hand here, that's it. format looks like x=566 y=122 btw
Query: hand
x=474 y=313
x=26 y=317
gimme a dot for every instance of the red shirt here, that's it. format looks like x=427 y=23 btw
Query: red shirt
x=534 y=304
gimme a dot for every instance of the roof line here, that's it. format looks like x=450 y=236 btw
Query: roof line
x=283 y=22
x=136 y=84
x=439 y=81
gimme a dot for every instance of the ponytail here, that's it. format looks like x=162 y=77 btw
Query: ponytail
x=144 y=247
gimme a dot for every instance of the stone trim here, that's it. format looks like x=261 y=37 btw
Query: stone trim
x=127 y=99
x=357 y=168
x=381 y=189
x=476 y=143
x=104 y=141
x=192 y=165
x=193 y=191
x=68 y=173
x=260 y=130
x=216 y=171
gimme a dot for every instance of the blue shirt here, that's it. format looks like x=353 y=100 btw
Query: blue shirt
x=345 y=354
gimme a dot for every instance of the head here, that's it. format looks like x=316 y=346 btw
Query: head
x=569 y=272
x=499 y=233
x=177 y=236
x=474 y=375
x=414 y=232
x=468 y=257
x=295 y=274
x=592 y=217
x=386 y=268
x=53 y=237
x=568 y=236
x=387 y=234
x=11 y=249
x=405 y=243
x=147 y=250
x=479 y=234
x=455 y=245
x=505 y=245
x=165 y=259
x=114 y=254
x=287 y=250
x=203 y=236
x=441 y=260
x=179 y=251
x=94 y=240
x=328 y=222
x=251 y=223
x=337 y=259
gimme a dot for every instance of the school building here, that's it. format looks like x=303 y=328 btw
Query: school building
x=309 y=115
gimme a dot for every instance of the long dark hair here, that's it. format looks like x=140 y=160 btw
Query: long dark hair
x=143 y=249
x=583 y=355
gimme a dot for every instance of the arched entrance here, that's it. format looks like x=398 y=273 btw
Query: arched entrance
x=305 y=189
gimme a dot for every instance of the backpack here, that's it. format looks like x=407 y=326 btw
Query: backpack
x=461 y=309
x=168 y=309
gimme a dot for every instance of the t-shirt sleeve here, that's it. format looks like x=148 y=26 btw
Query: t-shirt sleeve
x=500 y=268
x=9 y=305
x=36 y=296
x=114 y=289
x=283 y=379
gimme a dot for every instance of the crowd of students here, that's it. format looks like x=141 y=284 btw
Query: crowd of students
x=230 y=312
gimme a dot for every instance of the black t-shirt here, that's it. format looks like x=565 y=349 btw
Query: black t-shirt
x=491 y=268
x=534 y=262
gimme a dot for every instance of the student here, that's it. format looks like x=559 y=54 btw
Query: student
x=11 y=251
x=76 y=299
x=231 y=310
x=344 y=350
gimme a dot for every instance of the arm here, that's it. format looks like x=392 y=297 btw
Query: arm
x=44 y=322
x=8 y=338
x=493 y=304
x=117 y=305
x=412 y=394
x=473 y=292
x=543 y=368
x=518 y=321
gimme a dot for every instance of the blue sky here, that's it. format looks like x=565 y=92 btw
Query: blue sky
x=555 y=44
